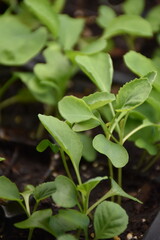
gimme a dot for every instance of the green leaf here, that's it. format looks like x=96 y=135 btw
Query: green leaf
x=115 y=152
x=66 y=193
x=88 y=186
x=44 y=144
x=89 y=152
x=75 y=110
x=43 y=10
x=98 y=68
x=69 y=31
x=153 y=18
x=66 y=237
x=110 y=220
x=128 y=24
x=44 y=190
x=2 y=159
x=131 y=95
x=129 y=6
x=58 y=5
x=93 y=47
x=9 y=190
x=86 y=125
x=39 y=219
x=141 y=65
x=67 y=139
x=68 y=220
x=144 y=144
x=18 y=43
x=99 y=99
x=105 y=16
x=29 y=189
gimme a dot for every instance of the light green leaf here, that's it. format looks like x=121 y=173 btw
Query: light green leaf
x=141 y=65
x=95 y=46
x=9 y=190
x=89 y=152
x=58 y=5
x=2 y=159
x=131 y=95
x=105 y=16
x=98 y=68
x=110 y=220
x=128 y=24
x=74 y=109
x=86 y=125
x=88 y=186
x=69 y=31
x=66 y=193
x=29 y=189
x=44 y=144
x=66 y=237
x=99 y=99
x=43 y=10
x=68 y=220
x=39 y=219
x=67 y=139
x=144 y=144
x=117 y=154
x=153 y=17
x=129 y=6
x=45 y=92
x=44 y=190
x=18 y=43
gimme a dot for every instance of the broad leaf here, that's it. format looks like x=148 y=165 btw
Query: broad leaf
x=115 y=152
x=75 y=110
x=129 y=6
x=88 y=186
x=67 y=139
x=153 y=17
x=9 y=190
x=89 y=152
x=39 y=219
x=69 y=31
x=141 y=65
x=18 y=43
x=66 y=237
x=105 y=16
x=86 y=125
x=110 y=220
x=99 y=99
x=45 y=13
x=66 y=193
x=98 y=68
x=68 y=220
x=44 y=144
x=128 y=24
x=44 y=190
x=131 y=95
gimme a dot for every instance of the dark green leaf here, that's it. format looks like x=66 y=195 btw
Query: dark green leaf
x=44 y=190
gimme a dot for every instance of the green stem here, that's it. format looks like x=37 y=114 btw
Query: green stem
x=151 y=163
x=8 y=83
x=119 y=183
x=9 y=101
x=133 y=131
x=30 y=233
x=65 y=164
x=116 y=124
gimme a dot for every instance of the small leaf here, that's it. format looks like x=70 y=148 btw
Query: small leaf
x=144 y=144
x=45 y=13
x=44 y=190
x=9 y=190
x=66 y=193
x=153 y=18
x=128 y=24
x=99 y=99
x=39 y=219
x=44 y=144
x=110 y=220
x=117 y=154
x=129 y=6
x=18 y=43
x=2 y=159
x=88 y=186
x=66 y=237
x=74 y=109
x=89 y=152
x=68 y=220
x=93 y=47
x=67 y=139
x=69 y=31
x=98 y=68
x=86 y=125
x=29 y=189
x=105 y=16
x=131 y=95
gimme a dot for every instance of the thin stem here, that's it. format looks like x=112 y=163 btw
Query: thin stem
x=8 y=83
x=9 y=101
x=30 y=233
x=151 y=163
x=115 y=122
x=65 y=164
x=133 y=131
x=119 y=183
